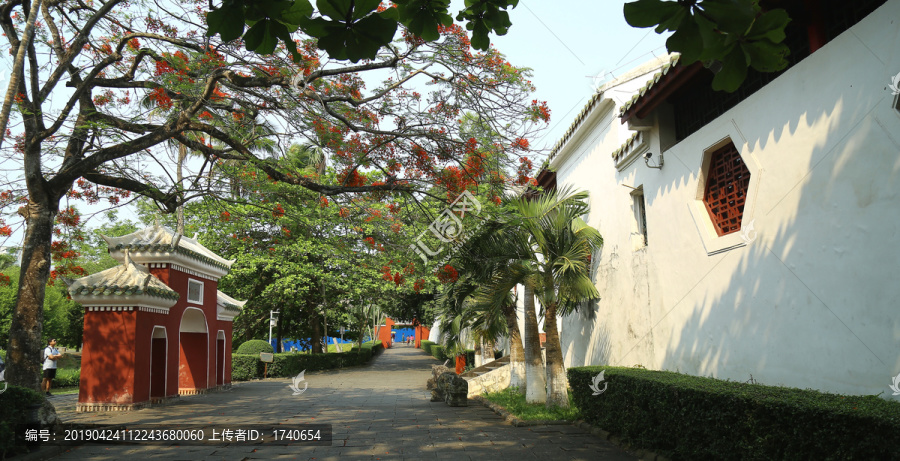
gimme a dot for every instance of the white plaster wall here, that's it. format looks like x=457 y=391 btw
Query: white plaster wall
x=812 y=302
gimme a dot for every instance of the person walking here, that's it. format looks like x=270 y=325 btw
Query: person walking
x=51 y=355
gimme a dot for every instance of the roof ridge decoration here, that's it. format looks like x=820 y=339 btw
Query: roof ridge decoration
x=123 y=281
x=579 y=119
x=575 y=124
x=160 y=239
x=649 y=85
x=625 y=145
x=228 y=306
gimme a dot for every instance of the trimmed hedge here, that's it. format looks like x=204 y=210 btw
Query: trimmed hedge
x=690 y=417
x=254 y=347
x=245 y=367
x=13 y=403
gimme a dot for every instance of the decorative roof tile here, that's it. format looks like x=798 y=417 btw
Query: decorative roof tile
x=626 y=145
x=163 y=239
x=649 y=85
x=229 y=304
x=578 y=120
x=125 y=280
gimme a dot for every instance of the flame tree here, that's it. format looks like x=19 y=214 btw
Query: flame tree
x=78 y=116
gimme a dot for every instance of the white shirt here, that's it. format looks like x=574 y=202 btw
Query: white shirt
x=48 y=351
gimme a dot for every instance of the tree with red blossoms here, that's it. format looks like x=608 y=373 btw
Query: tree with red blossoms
x=79 y=116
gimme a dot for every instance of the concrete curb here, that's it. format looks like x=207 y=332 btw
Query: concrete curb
x=583 y=425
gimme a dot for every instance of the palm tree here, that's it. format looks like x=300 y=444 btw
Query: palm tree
x=497 y=259
x=562 y=244
x=549 y=248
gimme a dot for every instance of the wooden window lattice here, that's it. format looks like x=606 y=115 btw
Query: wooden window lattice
x=727 y=181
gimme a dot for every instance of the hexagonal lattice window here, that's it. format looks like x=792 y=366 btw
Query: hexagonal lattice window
x=725 y=194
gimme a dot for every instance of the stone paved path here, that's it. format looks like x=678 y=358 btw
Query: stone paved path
x=380 y=411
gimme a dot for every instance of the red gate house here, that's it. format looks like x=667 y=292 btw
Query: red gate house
x=156 y=326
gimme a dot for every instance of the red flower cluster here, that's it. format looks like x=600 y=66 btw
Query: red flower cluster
x=163 y=67
x=225 y=216
x=447 y=274
x=520 y=143
x=540 y=111
x=344 y=213
x=161 y=99
x=419 y=285
x=278 y=211
x=323 y=202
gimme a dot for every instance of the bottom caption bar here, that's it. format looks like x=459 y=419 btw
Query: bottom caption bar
x=248 y=434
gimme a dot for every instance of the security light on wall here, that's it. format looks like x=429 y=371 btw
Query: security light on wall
x=648 y=156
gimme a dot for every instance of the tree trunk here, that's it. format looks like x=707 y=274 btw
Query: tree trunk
x=536 y=384
x=25 y=341
x=316 y=331
x=556 y=370
x=479 y=360
x=179 y=177
x=487 y=352
x=516 y=351
x=18 y=70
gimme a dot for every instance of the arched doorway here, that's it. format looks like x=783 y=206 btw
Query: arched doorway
x=220 y=358
x=193 y=361
x=158 y=351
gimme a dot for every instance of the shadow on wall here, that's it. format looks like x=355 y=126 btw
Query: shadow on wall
x=809 y=302
x=598 y=349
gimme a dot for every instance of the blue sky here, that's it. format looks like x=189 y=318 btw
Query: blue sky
x=568 y=44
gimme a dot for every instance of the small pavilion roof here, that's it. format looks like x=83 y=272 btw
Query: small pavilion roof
x=162 y=239
x=123 y=281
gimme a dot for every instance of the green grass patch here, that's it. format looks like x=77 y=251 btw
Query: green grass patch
x=515 y=403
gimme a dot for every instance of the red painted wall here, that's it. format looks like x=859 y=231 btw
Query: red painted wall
x=118 y=347
x=421 y=335
x=193 y=365
x=384 y=333
x=107 y=369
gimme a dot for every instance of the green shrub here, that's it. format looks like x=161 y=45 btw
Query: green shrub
x=245 y=367
x=426 y=346
x=67 y=377
x=13 y=403
x=254 y=347
x=689 y=417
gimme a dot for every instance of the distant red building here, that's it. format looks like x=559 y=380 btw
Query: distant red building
x=155 y=327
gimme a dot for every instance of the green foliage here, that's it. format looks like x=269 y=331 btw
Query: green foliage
x=689 y=417
x=515 y=403
x=245 y=367
x=348 y=29
x=13 y=411
x=254 y=347
x=734 y=32
x=67 y=377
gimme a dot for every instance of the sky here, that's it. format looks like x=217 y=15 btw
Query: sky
x=572 y=46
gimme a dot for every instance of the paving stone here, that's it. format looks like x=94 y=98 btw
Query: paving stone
x=379 y=411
